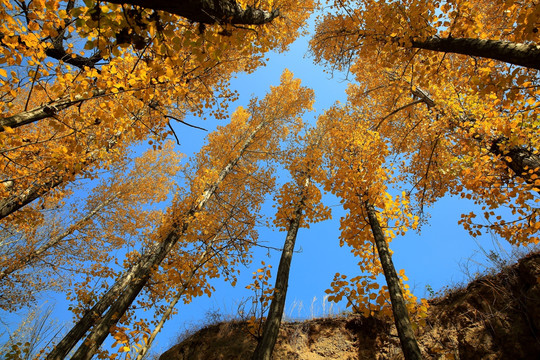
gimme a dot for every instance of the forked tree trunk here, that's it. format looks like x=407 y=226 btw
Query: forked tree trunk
x=126 y=289
x=266 y=343
x=408 y=341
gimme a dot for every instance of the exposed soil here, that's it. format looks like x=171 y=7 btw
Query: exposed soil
x=495 y=317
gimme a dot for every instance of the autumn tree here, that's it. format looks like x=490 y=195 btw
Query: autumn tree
x=462 y=118
x=232 y=152
x=82 y=81
x=116 y=212
x=506 y=32
x=299 y=204
x=359 y=174
x=35 y=330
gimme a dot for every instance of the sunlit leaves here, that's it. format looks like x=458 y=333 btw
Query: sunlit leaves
x=115 y=213
x=455 y=124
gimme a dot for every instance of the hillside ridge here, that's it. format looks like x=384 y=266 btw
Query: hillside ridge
x=495 y=317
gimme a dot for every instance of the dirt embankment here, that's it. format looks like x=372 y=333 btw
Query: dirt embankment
x=495 y=317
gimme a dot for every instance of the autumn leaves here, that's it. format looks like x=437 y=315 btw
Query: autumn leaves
x=81 y=83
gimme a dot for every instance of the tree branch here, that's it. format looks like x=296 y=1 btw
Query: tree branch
x=208 y=11
x=526 y=55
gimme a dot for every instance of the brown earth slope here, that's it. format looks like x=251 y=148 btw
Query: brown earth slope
x=495 y=317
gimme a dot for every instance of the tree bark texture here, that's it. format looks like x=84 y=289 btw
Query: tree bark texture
x=526 y=55
x=208 y=11
x=524 y=162
x=408 y=341
x=125 y=290
x=99 y=333
x=44 y=111
x=266 y=343
x=17 y=201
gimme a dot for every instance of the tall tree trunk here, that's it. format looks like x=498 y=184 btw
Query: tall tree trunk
x=126 y=289
x=266 y=343
x=91 y=317
x=526 y=55
x=201 y=261
x=401 y=315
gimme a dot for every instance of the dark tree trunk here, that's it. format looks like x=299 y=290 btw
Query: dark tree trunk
x=208 y=11
x=126 y=289
x=524 y=162
x=526 y=55
x=99 y=333
x=130 y=279
x=266 y=343
x=410 y=348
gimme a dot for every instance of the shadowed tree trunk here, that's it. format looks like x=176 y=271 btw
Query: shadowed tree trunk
x=409 y=345
x=525 y=163
x=208 y=11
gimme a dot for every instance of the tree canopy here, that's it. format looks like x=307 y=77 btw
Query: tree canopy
x=97 y=203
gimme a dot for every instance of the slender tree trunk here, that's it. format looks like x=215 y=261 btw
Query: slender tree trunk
x=124 y=291
x=91 y=317
x=526 y=55
x=99 y=333
x=266 y=343
x=202 y=259
x=401 y=315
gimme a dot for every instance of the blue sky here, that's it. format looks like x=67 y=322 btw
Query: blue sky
x=432 y=257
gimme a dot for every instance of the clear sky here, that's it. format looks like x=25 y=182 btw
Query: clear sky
x=434 y=257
